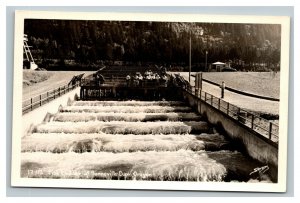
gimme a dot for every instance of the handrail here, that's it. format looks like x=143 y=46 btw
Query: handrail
x=262 y=126
x=36 y=95
x=41 y=99
x=121 y=81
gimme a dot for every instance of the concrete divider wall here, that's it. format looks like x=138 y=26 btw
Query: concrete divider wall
x=256 y=146
x=38 y=115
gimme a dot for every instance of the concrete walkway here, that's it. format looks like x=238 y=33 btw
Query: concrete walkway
x=242 y=101
x=58 y=79
x=245 y=102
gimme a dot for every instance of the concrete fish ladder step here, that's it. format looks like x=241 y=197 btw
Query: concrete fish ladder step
x=121 y=127
x=126 y=109
x=80 y=143
x=128 y=103
x=177 y=165
x=129 y=117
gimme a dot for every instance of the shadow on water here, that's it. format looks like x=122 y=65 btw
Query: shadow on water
x=237 y=160
x=238 y=144
x=238 y=166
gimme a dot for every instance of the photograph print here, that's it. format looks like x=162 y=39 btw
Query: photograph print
x=150 y=101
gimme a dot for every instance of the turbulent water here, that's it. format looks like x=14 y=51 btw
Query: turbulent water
x=132 y=140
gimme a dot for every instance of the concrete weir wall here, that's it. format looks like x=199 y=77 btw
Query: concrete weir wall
x=38 y=115
x=255 y=145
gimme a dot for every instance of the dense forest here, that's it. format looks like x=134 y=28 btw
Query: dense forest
x=163 y=43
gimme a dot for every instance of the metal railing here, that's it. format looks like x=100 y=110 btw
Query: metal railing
x=248 y=119
x=41 y=99
x=94 y=83
x=121 y=81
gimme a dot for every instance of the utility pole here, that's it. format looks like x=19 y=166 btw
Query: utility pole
x=206 y=52
x=190 y=58
x=190 y=51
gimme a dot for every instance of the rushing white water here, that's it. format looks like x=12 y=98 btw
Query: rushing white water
x=151 y=165
x=131 y=140
x=61 y=142
x=126 y=109
x=132 y=117
x=117 y=127
x=128 y=103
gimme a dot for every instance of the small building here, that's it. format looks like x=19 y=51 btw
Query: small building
x=217 y=66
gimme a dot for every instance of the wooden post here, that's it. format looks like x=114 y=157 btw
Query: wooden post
x=196 y=84
x=211 y=98
x=200 y=105
x=219 y=103
x=190 y=57
x=205 y=97
x=59 y=91
x=200 y=80
x=31 y=103
x=47 y=97
x=252 y=121
x=200 y=94
x=270 y=131
x=222 y=89
x=40 y=100
x=240 y=116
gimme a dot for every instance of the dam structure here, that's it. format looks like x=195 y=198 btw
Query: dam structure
x=133 y=123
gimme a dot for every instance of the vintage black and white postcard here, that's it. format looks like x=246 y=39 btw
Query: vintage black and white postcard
x=150 y=101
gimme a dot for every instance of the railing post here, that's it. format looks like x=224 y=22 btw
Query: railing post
x=31 y=103
x=219 y=103
x=59 y=91
x=252 y=121
x=47 y=96
x=205 y=97
x=200 y=103
x=211 y=100
x=227 y=108
x=270 y=131
x=200 y=94
x=40 y=100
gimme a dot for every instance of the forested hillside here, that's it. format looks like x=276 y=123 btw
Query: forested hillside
x=94 y=42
